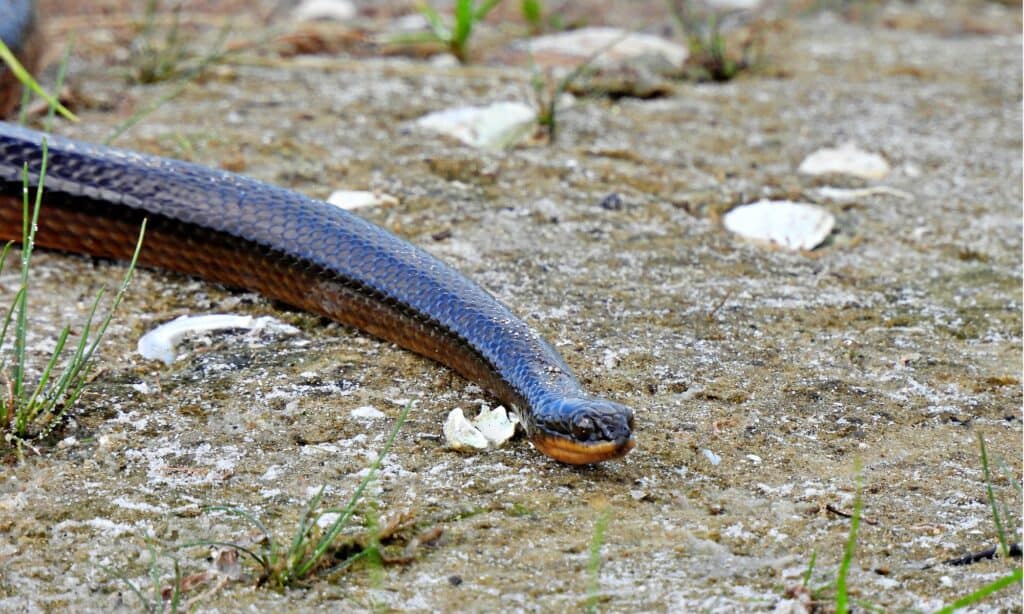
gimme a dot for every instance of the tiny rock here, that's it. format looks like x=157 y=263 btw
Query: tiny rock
x=357 y=199
x=496 y=126
x=612 y=46
x=328 y=10
x=847 y=159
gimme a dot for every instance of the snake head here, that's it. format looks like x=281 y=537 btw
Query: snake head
x=580 y=430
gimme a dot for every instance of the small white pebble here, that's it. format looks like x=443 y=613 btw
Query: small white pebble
x=367 y=412
x=713 y=458
x=357 y=199
x=495 y=126
x=847 y=159
x=327 y=519
x=329 y=10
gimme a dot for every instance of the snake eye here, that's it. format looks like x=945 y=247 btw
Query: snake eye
x=582 y=428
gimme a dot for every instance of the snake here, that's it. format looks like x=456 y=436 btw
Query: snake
x=233 y=230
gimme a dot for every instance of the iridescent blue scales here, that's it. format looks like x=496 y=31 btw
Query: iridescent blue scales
x=242 y=232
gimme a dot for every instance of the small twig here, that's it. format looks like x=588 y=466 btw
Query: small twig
x=719 y=305
x=838 y=512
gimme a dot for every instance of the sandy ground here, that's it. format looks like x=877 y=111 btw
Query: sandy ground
x=761 y=378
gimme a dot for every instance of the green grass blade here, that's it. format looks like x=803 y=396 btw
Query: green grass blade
x=531 y=10
x=992 y=499
x=810 y=568
x=297 y=549
x=154 y=572
x=26 y=79
x=36 y=403
x=435 y=22
x=7 y=321
x=62 y=71
x=851 y=544
x=120 y=291
x=176 y=592
x=131 y=585
x=484 y=9
x=985 y=591
x=263 y=561
x=235 y=511
x=342 y=566
x=28 y=236
x=3 y=254
x=75 y=364
x=594 y=560
x=464 y=18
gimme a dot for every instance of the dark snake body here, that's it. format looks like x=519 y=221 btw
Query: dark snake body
x=244 y=233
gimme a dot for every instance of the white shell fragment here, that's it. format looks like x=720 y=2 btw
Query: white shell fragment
x=461 y=434
x=612 y=45
x=161 y=342
x=797 y=226
x=711 y=457
x=332 y=10
x=847 y=159
x=496 y=425
x=492 y=428
x=357 y=199
x=495 y=126
x=849 y=195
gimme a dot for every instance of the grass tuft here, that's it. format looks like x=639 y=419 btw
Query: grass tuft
x=455 y=33
x=30 y=411
x=547 y=93
x=288 y=566
x=712 y=58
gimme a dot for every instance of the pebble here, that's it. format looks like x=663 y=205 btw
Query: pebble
x=791 y=225
x=357 y=199
x=713 y=458
x=847 y=159
x=579 y=45
x=734 y=5
x=496 y=126
x=367 y=412
x=330 y=10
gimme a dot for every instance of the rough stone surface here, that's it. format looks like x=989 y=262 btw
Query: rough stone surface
x=892 y=348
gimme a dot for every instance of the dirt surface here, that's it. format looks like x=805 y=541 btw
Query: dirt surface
x=761 y=378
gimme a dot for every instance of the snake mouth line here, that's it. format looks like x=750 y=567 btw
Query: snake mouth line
x=577 y=453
